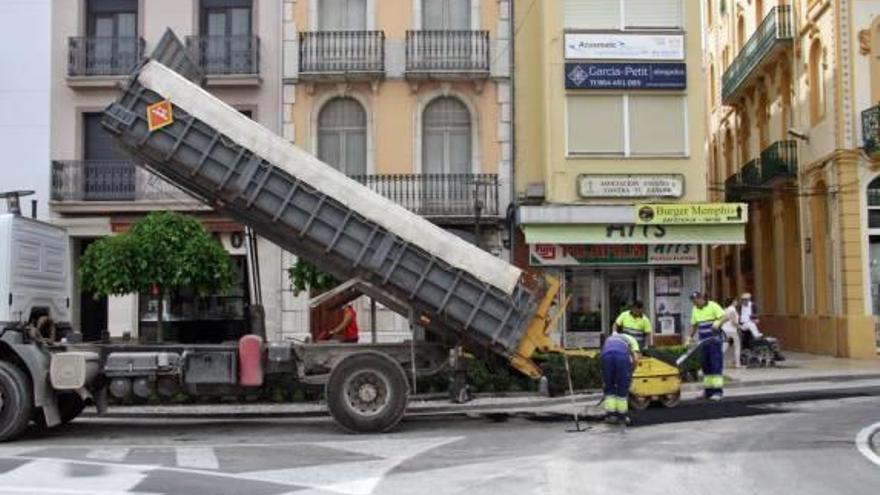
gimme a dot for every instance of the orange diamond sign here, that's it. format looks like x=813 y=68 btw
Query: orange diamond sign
x=159 y=115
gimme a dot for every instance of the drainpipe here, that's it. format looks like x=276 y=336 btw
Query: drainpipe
x=511 y=224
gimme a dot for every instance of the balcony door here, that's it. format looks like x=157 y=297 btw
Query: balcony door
x=226 y=27
x=342 y=15
x=112 y=42
x=446 y=15
x=446 y=157
x=108 y=173
x=342 y=136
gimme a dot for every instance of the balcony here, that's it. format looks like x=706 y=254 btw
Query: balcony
x=447 y=55
x=341 y=55
x=779 y=161
x=93 y=61
x=93 y=185
x=227 y=60
x=871 y=131
x=453 y=197
x=774 y=34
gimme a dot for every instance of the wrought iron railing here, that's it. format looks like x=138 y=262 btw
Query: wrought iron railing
x=439 y=195
x=103 y=56
x=779 y=161
x=777 y=27
x=751 y=173
x=871 y=131
x=733 y=189
x=109 y=180
x=226 y=55
x=447 y=51
x=341 y=52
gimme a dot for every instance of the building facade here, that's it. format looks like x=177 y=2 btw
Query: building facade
x=789 y=82
x=410 y=97
x=610 y=123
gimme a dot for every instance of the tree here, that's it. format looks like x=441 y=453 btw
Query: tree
x=163 y=251
x=305 y=276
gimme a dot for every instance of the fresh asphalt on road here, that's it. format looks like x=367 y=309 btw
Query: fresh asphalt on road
x=801 y=443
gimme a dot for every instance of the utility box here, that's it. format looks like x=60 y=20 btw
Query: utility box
x=211 y=368
x=37 y=279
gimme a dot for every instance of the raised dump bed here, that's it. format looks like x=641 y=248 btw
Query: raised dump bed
x=308 y=208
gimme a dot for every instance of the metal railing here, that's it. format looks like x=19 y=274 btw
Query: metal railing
x=109 y=180
x=226 y=55
x=447 y=51
x=341 y=52
x=103 y=56
x=751 y=173
x=871 y=131
x=439 y=195
x=777 y=27
x=779 y=161
x=733 y=188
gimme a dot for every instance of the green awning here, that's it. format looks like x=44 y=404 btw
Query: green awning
x=635 y=234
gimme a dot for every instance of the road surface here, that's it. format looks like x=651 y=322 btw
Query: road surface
x=806 y=446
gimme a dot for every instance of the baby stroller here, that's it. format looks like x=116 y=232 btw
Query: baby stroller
x=759 y=352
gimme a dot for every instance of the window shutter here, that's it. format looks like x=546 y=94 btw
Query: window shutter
x=592 y=14
x=653 y=14
x=657 y=125
x=595 y=124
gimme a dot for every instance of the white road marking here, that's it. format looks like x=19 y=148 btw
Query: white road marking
x=57 y=477
x=863 y=443
x=197 y=457
x=115 y=454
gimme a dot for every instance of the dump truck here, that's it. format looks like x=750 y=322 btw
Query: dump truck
x=174 y=128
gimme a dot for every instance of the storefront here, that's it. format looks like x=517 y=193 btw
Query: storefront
x=657 y=258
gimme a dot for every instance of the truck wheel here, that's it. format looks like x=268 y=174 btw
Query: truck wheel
x=69 y=407
x=16 y=401
x=367 y=393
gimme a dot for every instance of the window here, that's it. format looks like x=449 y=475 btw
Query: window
x=226 y=26
x=759 y=11
x=624 y=14
x=446 y=14
x=712 y=88
x=342 y=136
x=342 y=15
x=446 y=141
x=740 y=33
x=112 y=26
x=628 y=125
x=108 y=173
x=817 y=83
x=710 y=13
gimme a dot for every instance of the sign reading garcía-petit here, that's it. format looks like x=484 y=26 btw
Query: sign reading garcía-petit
x=631 y=186
x=694 y=213
x=626 y=75
x=620 y=46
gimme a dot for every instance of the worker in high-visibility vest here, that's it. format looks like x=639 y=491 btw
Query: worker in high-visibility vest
x=706 y=320
x=634 y=323
x=619 y=358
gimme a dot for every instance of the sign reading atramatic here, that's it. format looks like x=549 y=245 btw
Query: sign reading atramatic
x=631 y=186
x=695 y=213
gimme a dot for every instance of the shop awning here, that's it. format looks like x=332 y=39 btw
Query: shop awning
x=635 y=234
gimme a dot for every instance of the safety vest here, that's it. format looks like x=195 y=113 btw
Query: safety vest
x=637 y=328
x=707 y=319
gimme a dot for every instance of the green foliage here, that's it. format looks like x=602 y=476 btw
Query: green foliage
x=165 y=249
x=305 y=276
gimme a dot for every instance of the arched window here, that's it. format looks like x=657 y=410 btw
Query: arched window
x=446 y=138
x=740 y=33
x=710 y=13
x=342 y=135
x=759 y=11
x=730 y=167
x=817 y=83
x=712 y=89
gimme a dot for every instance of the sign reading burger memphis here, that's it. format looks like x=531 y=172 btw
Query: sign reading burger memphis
x=671 y=76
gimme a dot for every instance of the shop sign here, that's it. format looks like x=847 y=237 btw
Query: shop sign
x=698 y=213
x=619 y=46
x=613 y=254
x=670 y=76
x=630 y=186
x=635 y=234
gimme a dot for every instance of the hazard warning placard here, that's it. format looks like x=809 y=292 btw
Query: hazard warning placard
x=159 y=115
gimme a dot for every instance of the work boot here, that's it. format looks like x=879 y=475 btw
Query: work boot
x=611 y=418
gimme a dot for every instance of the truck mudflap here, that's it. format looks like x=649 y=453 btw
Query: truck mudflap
x=246 y=172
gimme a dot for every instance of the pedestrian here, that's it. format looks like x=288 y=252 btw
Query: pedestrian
x=706 y=319
x=731 y=330
x=634 y=323
x=619 y=358
x=748 y=316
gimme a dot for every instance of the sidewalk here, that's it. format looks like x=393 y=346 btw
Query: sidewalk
x=800 y=373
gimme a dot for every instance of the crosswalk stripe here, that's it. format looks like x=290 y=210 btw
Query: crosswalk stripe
x=197 y=457
x=114 y=454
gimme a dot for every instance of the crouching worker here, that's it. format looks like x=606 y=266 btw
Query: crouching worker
x=619 y=358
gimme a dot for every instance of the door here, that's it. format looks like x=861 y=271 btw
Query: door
x=446 y=157
x=446 y=15
x=227 y=32
x=108 y=173
x=114 y=42
x=92 y=310
x=342 y=15
x=622 y=291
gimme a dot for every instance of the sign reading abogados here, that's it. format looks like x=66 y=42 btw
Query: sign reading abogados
x=694 y=213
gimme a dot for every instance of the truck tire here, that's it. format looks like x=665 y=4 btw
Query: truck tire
x=16 y=401
x=367 y=393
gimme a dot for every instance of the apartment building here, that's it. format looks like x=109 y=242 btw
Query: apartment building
x=411 y=97
x=610 y=132
x=793 y=132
